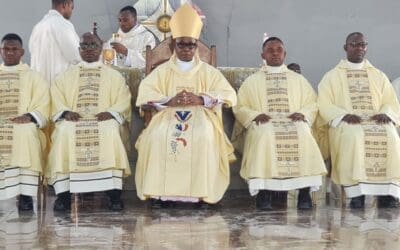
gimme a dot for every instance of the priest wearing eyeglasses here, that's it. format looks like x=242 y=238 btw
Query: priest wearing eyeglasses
x=360 y=106
x=184 y=153
x=90 y=102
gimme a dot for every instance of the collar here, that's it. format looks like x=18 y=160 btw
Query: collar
x=344 y=64
x=274 y=69
x=55 y=13
x=138 y=28
x=355 y=66
x=18 y=67
x=91 y=65
x=185 y=66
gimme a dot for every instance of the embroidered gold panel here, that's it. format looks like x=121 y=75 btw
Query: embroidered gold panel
x=87 y=140
x=375 y=137
x=9 y=104
x=286 y=137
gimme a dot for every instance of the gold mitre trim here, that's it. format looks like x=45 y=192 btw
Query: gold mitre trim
x=186 y=22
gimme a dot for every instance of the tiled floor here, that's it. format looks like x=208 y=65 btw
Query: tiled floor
x=233 y=224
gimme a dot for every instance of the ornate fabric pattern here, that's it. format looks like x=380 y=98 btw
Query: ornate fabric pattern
x=9 y=103
x=88 y=92
x=360 y=94
x=87 y=142
x=6 y=140
x=286 y=137
x=375 y=137
x=9 y=94
x=87 y=130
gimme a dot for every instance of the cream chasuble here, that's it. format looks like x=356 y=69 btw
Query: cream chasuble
x=89 y=146
x=365 y=156
x=184 y=151
x=280 y=154
x=22 y=91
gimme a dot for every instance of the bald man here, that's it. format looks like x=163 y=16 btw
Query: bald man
x=360 y=106
x=89 y=103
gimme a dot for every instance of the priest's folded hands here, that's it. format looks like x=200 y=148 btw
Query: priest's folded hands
x=264 y=118
x=74 y=116
x=185 y=98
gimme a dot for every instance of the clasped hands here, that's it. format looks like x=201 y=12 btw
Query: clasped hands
x=264 y=118
x=74 y=117
x=185 y=98
x=355 y=119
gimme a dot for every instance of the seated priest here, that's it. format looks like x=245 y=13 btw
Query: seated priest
x=275 y=112
x=184 y=153
x=24 y=108
x=90 y=102
x=358 y=103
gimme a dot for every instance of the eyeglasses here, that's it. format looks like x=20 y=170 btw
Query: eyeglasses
x=182 y=45
x=88 y=45
x=359 y=44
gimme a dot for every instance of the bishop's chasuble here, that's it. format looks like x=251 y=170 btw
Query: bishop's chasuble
x=22 y=146
x=184 y=152
x=88 y=155
x=280 y=154
x=365 y=156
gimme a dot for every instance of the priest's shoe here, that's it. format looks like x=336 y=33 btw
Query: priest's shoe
x=304 y=201
x=357 y=202
x=63 y=202
x=263 y=200
x=387 y=201
x=25 y=203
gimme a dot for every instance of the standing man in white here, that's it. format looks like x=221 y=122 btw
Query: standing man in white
x=54 y=43
x=132 y=40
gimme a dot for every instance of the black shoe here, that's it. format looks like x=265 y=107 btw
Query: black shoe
x=357 y=202
x=387 y=201
x=263 y=200
x=279 y=199
x=116 y=203
x=203 y=205
x=25 y=203
x=304 y=201
x=63 y=202
x=156 y=203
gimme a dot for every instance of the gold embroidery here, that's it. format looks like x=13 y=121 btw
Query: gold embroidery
x=9 y=104
x=286 y=137
x=86 y=130
x=87 y=142
x=375 y=137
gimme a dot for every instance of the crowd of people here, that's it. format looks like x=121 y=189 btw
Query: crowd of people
x=61 y=116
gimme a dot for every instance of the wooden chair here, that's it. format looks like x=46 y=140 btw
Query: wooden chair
x=161 y=54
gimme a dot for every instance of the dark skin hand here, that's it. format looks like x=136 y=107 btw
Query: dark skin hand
x=104 y=116
x=119 y=48
x=297 y=117
x=185 y=98
x=72 y=116
x=381 y=119
x=22 y=119
x=352 y=119
x=262 y=118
